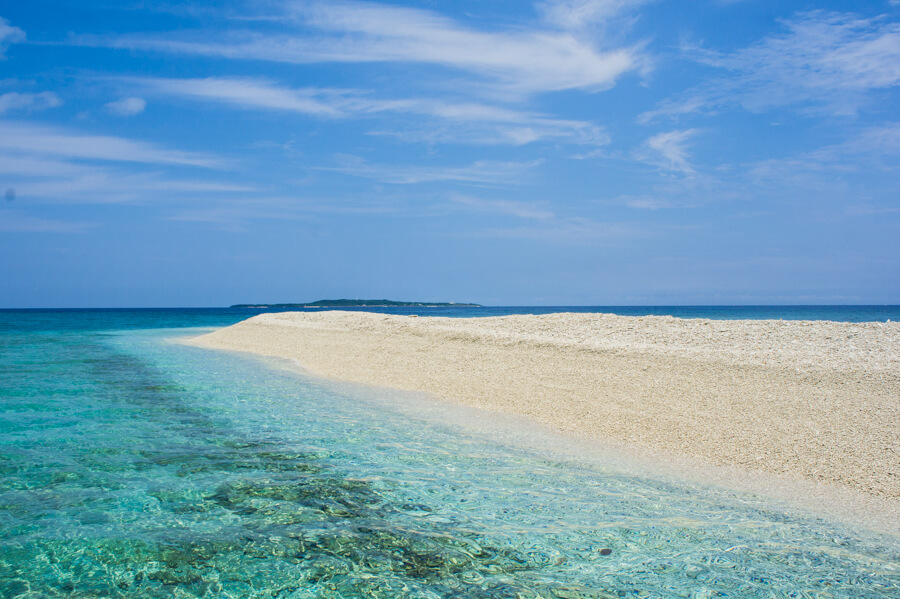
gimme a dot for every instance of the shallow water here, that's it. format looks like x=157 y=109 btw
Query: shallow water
x=131 y=466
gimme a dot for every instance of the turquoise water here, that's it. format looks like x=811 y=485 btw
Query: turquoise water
x=131 y=466
x=124 y=318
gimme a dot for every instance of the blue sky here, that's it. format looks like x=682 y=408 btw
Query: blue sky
x=562 y=152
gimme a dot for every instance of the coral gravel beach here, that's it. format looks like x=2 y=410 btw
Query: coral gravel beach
x=813 y=400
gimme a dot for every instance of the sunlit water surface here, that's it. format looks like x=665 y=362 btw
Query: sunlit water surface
x=131 y=466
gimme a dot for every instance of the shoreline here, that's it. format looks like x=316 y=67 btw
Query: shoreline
x=813 y=401
x=790 y=495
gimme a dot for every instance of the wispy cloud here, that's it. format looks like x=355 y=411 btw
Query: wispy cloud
x=106 y=186
x=520 y=61
x=875 y=148
x=541 y=223
x=127 y=106
x=645 y=202
x=27 y=102
x=257 y=94
x=482 y=172
x=26 y=139
x=879 y=146
x=9 y=35
x=668 y=151
x=523 y=60
x=224 y=218
x=525 y=210
x=481 y=124
x=568 y=231
x=18 y=221
x=577 y=15
x=59 y=165
x=471 y=122
x=14 y=163
x=826 y=62
x=872 y=210
x=235 y=214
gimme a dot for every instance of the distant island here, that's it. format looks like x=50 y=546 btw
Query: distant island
x=358 y=303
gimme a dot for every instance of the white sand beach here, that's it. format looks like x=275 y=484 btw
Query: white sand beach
x=818 y=401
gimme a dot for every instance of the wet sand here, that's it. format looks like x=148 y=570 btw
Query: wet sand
x=817 y=401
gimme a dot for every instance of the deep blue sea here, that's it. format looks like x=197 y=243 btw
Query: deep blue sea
x=135 y=466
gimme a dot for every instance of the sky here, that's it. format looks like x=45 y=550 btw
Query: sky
x=560 y=152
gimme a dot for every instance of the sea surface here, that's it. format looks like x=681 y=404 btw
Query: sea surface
x=135 y=466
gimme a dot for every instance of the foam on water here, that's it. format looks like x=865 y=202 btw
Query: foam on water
x=134 y=467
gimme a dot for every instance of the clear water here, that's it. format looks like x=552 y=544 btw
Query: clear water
x=125 y=318
x=134 y=467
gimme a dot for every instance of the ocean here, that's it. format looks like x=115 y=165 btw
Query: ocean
x=135 y=466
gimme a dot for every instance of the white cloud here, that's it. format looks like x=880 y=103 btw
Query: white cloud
x=251 y=93
x=578 y=14
x=57 y=165
x=481 y=124
x=568 y=231
x=598 y=153
x=528 y=61
x=17 y=221
x=9 y=35
x=26 y=138
x=14 y=163
x=233 y=215
x=879 y=145
x=470 y=122
x=872 y=210
x=515 y=61
x=525 y=210
x=40 y=101
x=54 y=180
x=826 y=62
x=479 y=172
x=127 y=106
x=541 y=223
x=104 y=185
x=645 y=202
x=668 y=151
x=871 y=149
x=66 y=178
x=230 y=218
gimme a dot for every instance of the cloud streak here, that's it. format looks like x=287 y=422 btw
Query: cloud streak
x=568 y=231
x=109 y=186
x=127 y=106
x=668 y=151
x=26 y=138
x=471 y=122
x=481 y=172
x=826 y=63
x=524 y=210
x=9 y=35
x=246 y=93
x=869 y=150
x=521 y=61
x=578 y=15
x=18 y=221
x=543 y=224
x=526 y=61
x=234 y=214
x=28 y=102
x=58 y=165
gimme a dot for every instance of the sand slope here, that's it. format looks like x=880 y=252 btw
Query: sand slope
x=815 y=400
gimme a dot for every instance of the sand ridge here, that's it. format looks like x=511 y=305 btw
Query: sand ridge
x=814 y=400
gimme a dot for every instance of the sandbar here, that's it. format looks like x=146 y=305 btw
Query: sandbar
x=815 y=400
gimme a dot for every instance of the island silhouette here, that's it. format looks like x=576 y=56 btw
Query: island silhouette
x=361 y=303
